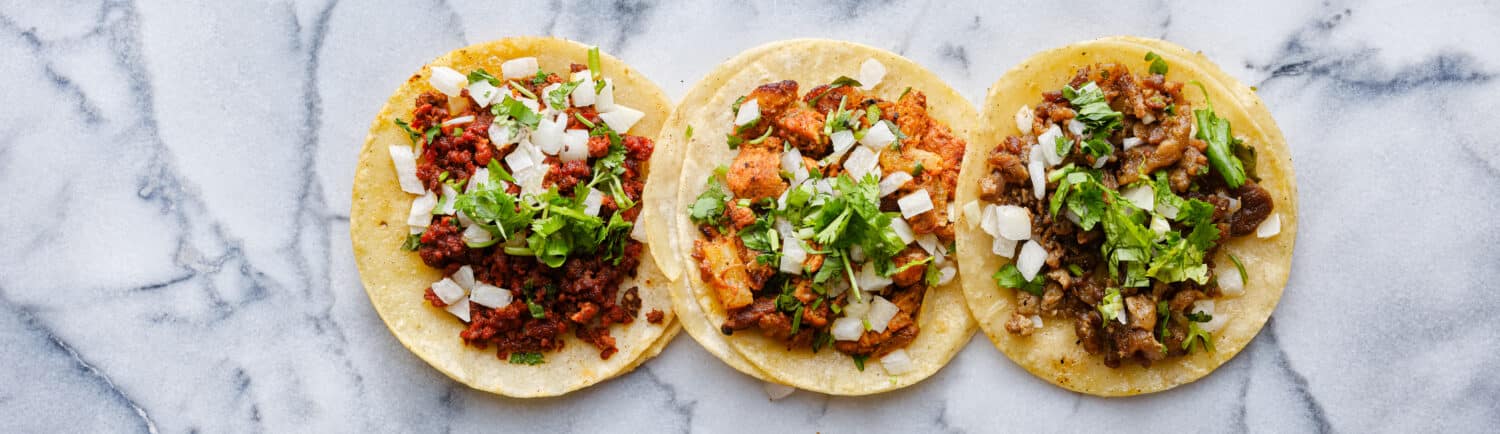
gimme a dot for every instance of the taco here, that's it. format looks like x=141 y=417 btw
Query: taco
x=1128 y=224
x=495 y=217
x=814 y=213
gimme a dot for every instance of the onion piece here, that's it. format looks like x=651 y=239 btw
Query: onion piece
x=421 y=210
x=491 y=296
x=1142 y=196
x=1024 y=118
x=519 y=158
x=1207 y=307
x=476 y=235
x=848 y=328
x=461 y=120
x=583 y=95
x=749 y=112
x=522 y=67
x=575 y=146
x=881 y=312
x=1048 y=141
x=592 y=202
x=946 y=274
x=1270 y=227
x=605 y=100
x=897 y=362
x=447 y=81
x=447 y=290
x=459 y=309
x=1038 y=173
x=1036 y=321
x=857 y=308
x=791 y=161
x=841 y=140
x=1231 y=283
x=990 y=221
x=878 y=135
x=479 y=180
x=893 y=182
x=777 y=391
x=548 y=134
x=1130 y=142
x=464 y=277
x=621 y=118
x=1076 y=127
x=1003 y=247
x=871 y=280
x=483 y=92
x=1160 y=225
x=914 y=204
x=1032 y=257
x=930 y=243
x=638 y=232
x=445 y=206
x=502 y=134
x=856 y=253
x=861 y=162
x=1013 y=222
x=406 y=169
x=903 y=230
x=792 y=256
x=972 y=213
x=871 y=72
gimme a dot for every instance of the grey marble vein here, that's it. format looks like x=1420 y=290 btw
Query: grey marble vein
x=178 y=179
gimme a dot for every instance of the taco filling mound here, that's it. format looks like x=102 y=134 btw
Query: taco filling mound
x=1112 y=202
x=833 y=219
x=526 y=194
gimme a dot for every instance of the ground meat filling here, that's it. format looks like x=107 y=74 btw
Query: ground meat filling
x=583 y=296
x=755 y=294
x=1076 y=272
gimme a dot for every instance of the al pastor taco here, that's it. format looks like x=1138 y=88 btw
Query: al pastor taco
x=1128 y=222
x=495 y=216
x=815 y=215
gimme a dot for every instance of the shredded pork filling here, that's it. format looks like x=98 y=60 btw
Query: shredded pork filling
x=1121 y=306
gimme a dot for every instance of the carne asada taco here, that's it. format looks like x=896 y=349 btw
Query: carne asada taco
x=815 y=216
x=495 y=217
x=1129 y=218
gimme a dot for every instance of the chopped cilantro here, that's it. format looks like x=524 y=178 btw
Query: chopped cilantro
x=536 y=310
x=1112 y=307
x=479 y=75
x=1244 y=279
x=1220 y=137
x=1197 y=333
x=688 y=133
x=1158 y=65
x=413 y=241
x=537 y=80
x=859 y=362
x=709 y=207
x=558 y=98
x=513 y=109
x=413 y=135
x=527 y=358
x=916 y=170
x=1199 y=317
x=1010 y=277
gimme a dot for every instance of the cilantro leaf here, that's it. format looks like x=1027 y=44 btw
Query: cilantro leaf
x=859 y=362
x=1200 y=335
x=1092 y=108
x=1010 y=277
x=1112 y=307
x=1158 y=65
x=527 y=358
x=413 y=135
x=479 y=75
x=414 y=241
x=1217 y=132
x=558 y=98
x=709 y=207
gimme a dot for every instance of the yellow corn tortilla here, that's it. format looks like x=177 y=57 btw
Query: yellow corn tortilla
x=944 y=321
x=1051 y=353
x=394 y=279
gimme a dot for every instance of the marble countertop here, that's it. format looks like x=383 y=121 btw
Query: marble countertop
x=177 y=179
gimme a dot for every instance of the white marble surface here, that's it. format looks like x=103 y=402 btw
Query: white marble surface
x=176 y=183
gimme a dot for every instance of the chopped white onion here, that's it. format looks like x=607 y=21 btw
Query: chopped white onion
x=484 y=93
x=1013 y=222
x=1148 y=119
x=547 y=92
x=491 y=296
x=592 y=202
x=1073 y=217
x=914 y=204
x=1038 y=172
x=445 y=206
x=502 y=134
x=548 y=134
x=1030 y=261
x=878 y=135
x=447 y=81
x=930 y=243
x=861 y=161
x=990 y=220
x=406 y=169
x=575 y=146
x=621 y=118
x=1130 y=142
x=946 y=274
x=792 y=160
x=530 y=104
x=480 y=179
x=1048 y=141
x=583 y=95
x=638 y=232
x=856 y=253
x=1036 y=321
x=1166 y=210
x=520 y=158
x=1024 y=118
x=1101 y=161
x=459 y=120
x=871 y=72
x=972 y=214
x=871 y=280
x=1207 y=307
x=1231 y=283
x=464 y=277
x=605 y=100
x=421 y=210
x=792 y=256
x=459 y=309
x=1075 y=127
x=952 y=212
x=531 y=179
x=897 y=362
x=1142 y=196
x=519 y=68
x=1270 y=227
x=903 y=230
x=847 y=328
x=475 y=234
x=1003 y=247
x=778 y=391
x=447 y=290
x=749 y=112
x=881 y=312
x=858 y=308
x=893 y=182
x=842 y=140
x=1160 y=225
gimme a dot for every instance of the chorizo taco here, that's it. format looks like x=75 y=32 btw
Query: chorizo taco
x=496 y=216
x=1128 y=224
x=815 y=216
